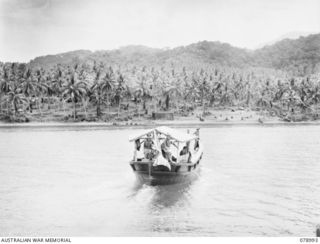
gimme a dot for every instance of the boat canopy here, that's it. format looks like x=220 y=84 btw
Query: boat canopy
x=174 y=134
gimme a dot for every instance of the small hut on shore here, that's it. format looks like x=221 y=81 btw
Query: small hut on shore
x=162 y=115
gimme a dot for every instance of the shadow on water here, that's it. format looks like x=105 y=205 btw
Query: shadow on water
x=163 y=196
x=171 y=195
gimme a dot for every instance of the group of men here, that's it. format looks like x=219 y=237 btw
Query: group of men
x=150 y=151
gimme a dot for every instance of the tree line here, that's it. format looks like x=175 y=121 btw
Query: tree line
x=102 y=88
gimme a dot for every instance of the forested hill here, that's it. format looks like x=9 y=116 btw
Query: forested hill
x=298 y=57
x=301 y=56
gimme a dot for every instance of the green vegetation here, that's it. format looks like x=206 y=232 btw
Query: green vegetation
x=133 y=82
x=298 y=57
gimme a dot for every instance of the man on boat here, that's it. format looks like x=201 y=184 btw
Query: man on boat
x=148 y=148
x=197 y=134
x=165 y=149
x=138 y=154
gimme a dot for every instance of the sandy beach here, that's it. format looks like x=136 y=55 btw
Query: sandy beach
x=216 y=117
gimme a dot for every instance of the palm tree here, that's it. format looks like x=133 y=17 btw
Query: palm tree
x=97 y=94
x=279 y=93
x=100 y=90
x=170 y=93
x=15 y=97
x=28 y=84
x=314 y=97
x=144 y=94
x=137 y=98
x=266 y=96
x=214 y=92
x=57 y=82
x=248 y=94
x=4 y=86
x=190 y=92
x=85 y=102
x=202 y=89
x=120 y=91
x=29 y=87
x=107 y=85
x=74 y=91
x=56 y=85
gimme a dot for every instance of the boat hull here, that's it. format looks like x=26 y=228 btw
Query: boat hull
x=166 y=179
x=148 y=174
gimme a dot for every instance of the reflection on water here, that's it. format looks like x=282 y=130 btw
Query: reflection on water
x=254 y=181
x=165 y=205
x=165 y=195
x=168 y=196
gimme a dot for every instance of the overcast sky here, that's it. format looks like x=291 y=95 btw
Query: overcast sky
x=30 y=28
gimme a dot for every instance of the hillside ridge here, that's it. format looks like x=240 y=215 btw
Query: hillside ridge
x=298 y=56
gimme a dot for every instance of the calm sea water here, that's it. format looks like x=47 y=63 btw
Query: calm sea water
x=254 y=181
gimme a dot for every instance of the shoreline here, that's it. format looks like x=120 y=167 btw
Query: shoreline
x=217 y=117
x=150 y=124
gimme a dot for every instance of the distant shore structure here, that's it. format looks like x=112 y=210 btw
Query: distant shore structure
x=163 y=115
